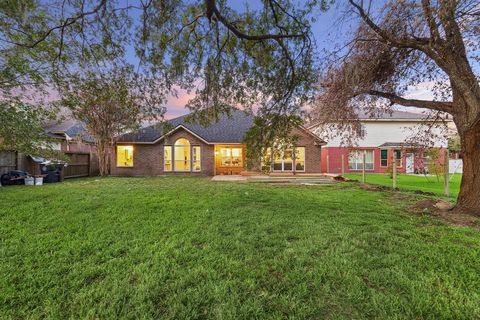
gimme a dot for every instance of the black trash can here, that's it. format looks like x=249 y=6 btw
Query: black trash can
x=52 y=172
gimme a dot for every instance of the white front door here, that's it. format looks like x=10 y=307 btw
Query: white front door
x=409 y=167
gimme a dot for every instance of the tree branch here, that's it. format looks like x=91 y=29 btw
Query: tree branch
x=419 y=43
x=242 y=35
x=68 y=22
x=434 y=105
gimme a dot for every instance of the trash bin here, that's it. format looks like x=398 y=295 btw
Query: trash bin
x=29 y=181
x=52 y=172
x=39 y=181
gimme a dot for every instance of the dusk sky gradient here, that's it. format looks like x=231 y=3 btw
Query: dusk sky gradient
x=330 y=30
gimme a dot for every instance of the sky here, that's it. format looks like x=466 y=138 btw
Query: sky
x=330 y=30
x=326 y=32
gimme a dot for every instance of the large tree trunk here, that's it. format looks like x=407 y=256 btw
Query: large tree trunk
x=469 y=197
x=104 y=158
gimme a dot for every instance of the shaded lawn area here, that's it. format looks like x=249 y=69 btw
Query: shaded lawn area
x=189 y=248
x=414 y=182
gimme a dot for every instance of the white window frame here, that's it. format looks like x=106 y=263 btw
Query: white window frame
x=361 y=162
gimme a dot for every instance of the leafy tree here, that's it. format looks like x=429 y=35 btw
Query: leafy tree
x=111 y=102
x=403 y=44
x=22 y=129
x=41 y=43
x=258 y=56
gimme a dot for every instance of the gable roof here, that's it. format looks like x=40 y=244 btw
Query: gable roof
x=228 y=129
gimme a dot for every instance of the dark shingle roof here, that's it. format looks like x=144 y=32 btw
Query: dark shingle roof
x=228 y=129
x=72 y=128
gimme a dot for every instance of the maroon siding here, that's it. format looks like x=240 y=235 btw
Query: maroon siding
x=332 y=159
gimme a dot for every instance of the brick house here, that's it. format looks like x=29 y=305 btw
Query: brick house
x=385 y=139
x=191 y=149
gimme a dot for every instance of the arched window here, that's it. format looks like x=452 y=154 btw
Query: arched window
x=182 y=155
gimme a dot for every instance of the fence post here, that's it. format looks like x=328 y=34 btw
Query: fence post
x=446 y=177
x=394 y=171
x=328 y=163
x=363 y=168
x=343 y=164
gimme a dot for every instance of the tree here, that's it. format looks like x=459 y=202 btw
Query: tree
x=111 y=102
x=22 y=129
x=258 y=56
x=41 y=43
x=403 y=44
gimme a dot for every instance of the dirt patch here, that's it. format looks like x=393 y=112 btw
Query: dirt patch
x=343 y=179
x=443 y=210
x=424 y=205
x=373 y=187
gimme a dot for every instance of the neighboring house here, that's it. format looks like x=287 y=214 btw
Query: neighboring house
x=71 y=138
x=191 y=149
x=385 y=139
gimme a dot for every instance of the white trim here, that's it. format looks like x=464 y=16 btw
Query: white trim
x=360 y=150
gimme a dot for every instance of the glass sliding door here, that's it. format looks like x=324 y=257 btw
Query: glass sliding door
x=283 y=160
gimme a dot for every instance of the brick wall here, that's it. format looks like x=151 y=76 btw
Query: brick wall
x=313 y=151
x=148 y=158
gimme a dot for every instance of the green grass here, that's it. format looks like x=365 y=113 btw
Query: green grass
x=189 y=248
x=414 y=182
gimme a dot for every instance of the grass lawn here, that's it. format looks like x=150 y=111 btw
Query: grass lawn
x=414 y=182
x=189 y=248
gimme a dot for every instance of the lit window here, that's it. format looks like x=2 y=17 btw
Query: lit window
x=384 y=158
x=182 y=155
x=355 y=160
x=196 y=158
x=167 y=158
x=124 y=156
x=231 y=157
x=283 y=159
x=299 y=158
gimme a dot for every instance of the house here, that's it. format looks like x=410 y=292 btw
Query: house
x=218 y=149
x=385 y=139
x=69 y=137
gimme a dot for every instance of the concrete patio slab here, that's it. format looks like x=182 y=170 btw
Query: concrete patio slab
x=232 y=178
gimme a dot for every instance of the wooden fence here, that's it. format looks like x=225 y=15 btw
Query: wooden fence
x=78 y=165
x=8 y=161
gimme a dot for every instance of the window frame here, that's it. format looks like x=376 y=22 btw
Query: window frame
x=382 y=159
x=398 y=159
x=361 y=151
x=191 y=160
x=171 y=158
x=117 y=153
x=189 y=148
x=231 y=156
x=282 y=161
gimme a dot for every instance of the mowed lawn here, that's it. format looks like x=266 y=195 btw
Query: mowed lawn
x=189 y=248
x=414 y=182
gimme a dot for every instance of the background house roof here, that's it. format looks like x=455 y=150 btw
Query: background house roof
x=394 y=115
x=72 y=128
x=228 y=129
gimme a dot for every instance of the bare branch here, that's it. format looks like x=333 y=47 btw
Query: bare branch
x=434 y=105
